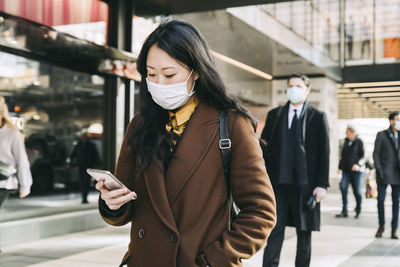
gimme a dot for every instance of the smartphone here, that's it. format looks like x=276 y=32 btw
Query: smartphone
x=110 y=181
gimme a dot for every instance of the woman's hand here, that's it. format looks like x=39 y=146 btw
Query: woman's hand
x=115 y=198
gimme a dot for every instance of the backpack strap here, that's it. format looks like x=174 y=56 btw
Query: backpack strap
x=225 y=144
x=225 y=147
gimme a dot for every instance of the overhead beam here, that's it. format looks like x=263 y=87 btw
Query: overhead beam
x=377 y=73
x=376 y=89
x=381 y=94
x=382 y=99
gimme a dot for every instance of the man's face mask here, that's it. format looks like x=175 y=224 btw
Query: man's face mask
x=296 y=94
x=397 y=125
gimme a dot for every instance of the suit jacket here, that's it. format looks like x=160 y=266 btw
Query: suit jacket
x=314 y=141
x=386 y=158
x=182 y=218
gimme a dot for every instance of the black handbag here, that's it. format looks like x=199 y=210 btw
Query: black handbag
x=225 y=147
x=6 y=171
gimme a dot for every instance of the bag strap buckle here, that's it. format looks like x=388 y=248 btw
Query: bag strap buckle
x=225 y=144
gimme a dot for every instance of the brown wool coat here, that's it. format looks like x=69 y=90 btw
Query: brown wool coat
x=184 y=216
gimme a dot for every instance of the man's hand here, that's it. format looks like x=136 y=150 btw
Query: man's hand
x=319 y=193
x=23 y=195
x=355 y=168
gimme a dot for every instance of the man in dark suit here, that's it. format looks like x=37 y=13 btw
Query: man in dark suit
x=297 y=161
x=387 y=165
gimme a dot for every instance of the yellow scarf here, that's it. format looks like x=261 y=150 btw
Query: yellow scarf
x=178 y=120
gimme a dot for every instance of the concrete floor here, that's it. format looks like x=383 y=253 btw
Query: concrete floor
x=346 y=242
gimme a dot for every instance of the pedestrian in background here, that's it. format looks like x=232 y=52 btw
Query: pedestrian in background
x=13 y=155
x=350 y=165
x=171 y=158
x=85 y=156
x=387 y=165
x=297 y=160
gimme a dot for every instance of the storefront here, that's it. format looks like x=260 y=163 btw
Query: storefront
x=60 y=80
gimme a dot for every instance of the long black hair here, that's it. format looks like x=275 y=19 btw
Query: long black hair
x=183 y=42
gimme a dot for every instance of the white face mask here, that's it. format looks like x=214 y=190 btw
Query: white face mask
x=397 y=125
x=171 y=96
x=296 y=94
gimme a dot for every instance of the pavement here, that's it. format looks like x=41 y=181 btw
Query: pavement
x=342 y=242
x=44 y=205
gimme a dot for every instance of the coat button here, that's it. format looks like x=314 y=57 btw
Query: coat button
x=174 y=238
x=141 y=233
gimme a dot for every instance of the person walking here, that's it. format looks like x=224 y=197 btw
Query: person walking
x=351 y=163
x=297 y=161
x=366 y=35
x=387 y=165
x=171 y=159
x=13 y=155
x=85 y=156
x=349 y=31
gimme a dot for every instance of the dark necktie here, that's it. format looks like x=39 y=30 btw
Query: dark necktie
x=295 y=121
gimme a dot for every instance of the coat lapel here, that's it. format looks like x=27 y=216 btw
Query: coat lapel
x=155 y=184
x=192 y=148
x=390 y=136
x=306 y=116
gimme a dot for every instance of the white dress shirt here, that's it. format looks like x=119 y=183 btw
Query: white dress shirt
x=12 y=151
x=291 y=113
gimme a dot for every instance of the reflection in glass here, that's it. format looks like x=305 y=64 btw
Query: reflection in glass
x=387 y=31
x=315 y=21
x=358 y=31
x=38 y=41
x=52 y=106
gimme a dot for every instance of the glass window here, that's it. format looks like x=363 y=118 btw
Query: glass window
x=358 y=32
x=315 y=21
x=54 y=108
x=283 y=13
x=387 y=31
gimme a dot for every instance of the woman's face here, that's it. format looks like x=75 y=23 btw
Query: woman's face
x=164 y=69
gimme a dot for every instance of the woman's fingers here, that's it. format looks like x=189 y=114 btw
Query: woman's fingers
x=115 y=193
x=115 y=198
x=100 y=185
x=121 y=200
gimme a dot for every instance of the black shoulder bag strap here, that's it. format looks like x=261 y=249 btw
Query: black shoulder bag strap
x=225 y=146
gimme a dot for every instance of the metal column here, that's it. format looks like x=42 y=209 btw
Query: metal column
x=119 y=35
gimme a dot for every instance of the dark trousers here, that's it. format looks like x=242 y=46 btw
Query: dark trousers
x=355 y=179
x=84 y=183
x=4 y=193
x=284 y=209
x=350 y=47
x=395 y=204
x=363 y=45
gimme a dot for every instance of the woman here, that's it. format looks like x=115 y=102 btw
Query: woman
x=171 y=158
x=13 y=154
